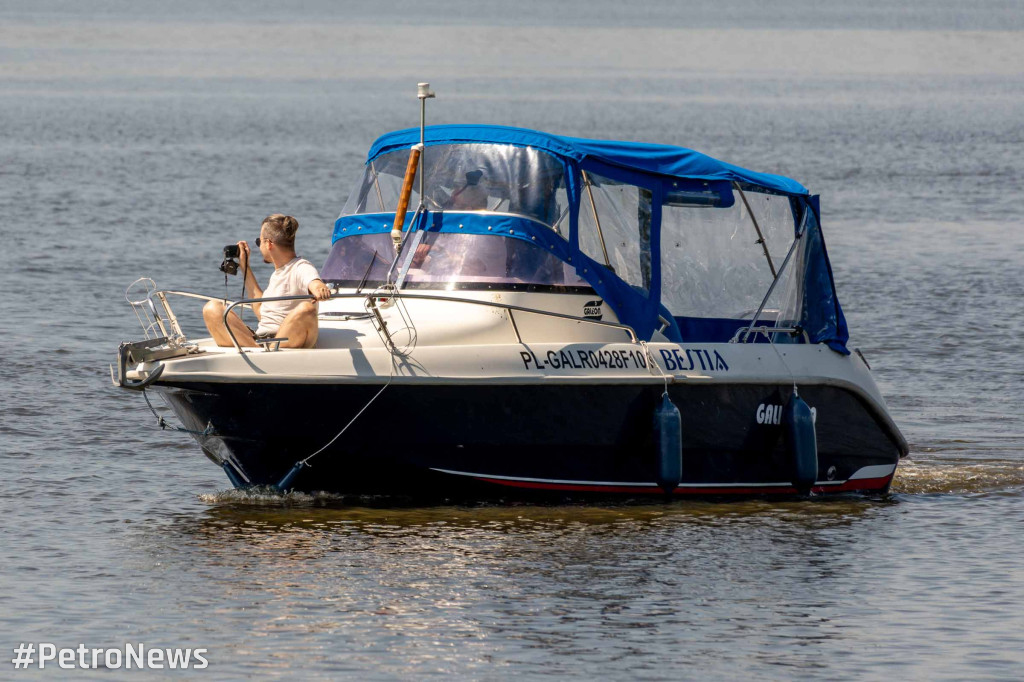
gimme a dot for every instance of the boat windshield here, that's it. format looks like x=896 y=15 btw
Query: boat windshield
x=452 y=261
x=470 y=177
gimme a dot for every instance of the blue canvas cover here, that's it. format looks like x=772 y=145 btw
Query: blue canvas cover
x=648 y=166
x=664 y=160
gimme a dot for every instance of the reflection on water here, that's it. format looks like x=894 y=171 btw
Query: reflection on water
x=750 y=586
x=542 y=589
x=301 y=510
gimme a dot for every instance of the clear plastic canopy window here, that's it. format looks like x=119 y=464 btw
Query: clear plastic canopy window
x=713 y=263
x=470 y=177
x=615 y=228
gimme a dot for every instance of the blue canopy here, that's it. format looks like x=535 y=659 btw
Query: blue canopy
x=652 y=167
x=665 y=160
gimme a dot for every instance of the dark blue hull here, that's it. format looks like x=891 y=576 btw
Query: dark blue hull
x=475 y=441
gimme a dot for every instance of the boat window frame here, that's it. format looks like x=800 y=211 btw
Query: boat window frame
x=653 y=184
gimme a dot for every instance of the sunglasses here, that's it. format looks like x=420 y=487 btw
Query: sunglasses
x=258 y=239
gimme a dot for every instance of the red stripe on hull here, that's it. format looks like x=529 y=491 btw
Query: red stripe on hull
x=866 y=484
x=859 y=484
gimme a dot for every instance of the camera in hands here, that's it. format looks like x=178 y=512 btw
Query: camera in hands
x=229 y=266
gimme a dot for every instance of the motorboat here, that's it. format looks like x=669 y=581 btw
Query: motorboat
x=557 y=316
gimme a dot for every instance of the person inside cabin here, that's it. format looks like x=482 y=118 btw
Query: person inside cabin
x=471 y=195
x=294 y=320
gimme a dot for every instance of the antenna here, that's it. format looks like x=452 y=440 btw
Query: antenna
x=423 y=92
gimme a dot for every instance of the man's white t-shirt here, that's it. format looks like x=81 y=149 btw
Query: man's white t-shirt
x=291 y=279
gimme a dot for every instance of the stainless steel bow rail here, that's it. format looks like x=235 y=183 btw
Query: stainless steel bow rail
x=165 y=338
x=376 y=301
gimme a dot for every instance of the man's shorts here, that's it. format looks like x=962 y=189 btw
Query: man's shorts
x=260 y=337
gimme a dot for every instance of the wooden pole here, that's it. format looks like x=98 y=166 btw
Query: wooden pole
x=403 y=199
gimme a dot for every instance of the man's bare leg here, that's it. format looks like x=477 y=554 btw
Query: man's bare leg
x=301 y=327
x=213 y=315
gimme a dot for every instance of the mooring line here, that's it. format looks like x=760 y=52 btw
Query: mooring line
x=162 y=423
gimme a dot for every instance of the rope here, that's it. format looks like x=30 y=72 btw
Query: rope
x=305 y=462
x=771 y=342
x=651 y=362
x=168 y=427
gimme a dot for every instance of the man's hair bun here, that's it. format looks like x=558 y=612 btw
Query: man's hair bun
x=281 y=229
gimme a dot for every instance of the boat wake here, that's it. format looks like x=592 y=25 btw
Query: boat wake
x=957 y=476
x=269 y=496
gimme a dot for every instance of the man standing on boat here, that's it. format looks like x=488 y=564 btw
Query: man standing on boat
x=295 y=320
